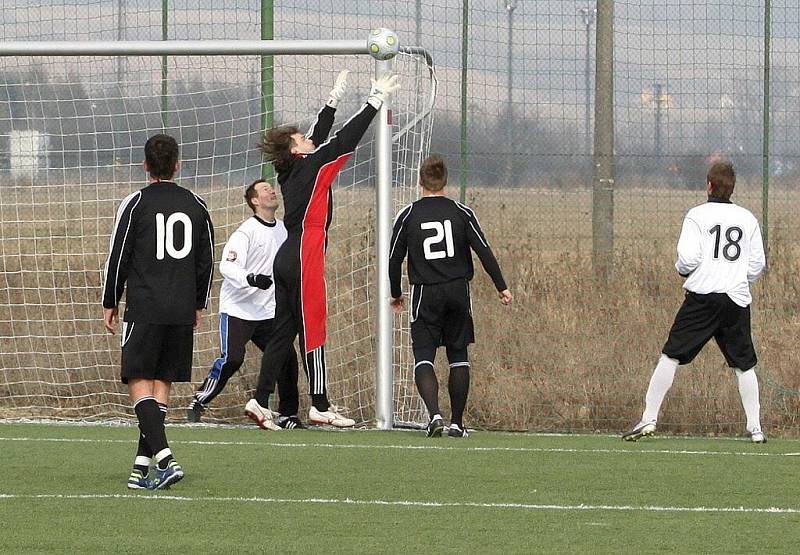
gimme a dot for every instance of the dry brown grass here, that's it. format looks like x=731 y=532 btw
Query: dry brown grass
x=570 y=354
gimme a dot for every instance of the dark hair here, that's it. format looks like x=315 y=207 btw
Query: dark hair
x=161 y=155
x=433 y=173
x=277 y=146
x=722 y=179
x=250 y=193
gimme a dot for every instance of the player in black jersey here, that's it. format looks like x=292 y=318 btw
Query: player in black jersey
x=438 y=233
x=307 y=166
x=162 y=248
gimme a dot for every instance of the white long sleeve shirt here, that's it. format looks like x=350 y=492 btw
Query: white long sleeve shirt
x=250 y=249
x=721 y=251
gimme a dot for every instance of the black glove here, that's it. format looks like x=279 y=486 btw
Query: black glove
x=259 y=280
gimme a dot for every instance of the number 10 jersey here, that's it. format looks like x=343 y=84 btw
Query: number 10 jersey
x=162 y=246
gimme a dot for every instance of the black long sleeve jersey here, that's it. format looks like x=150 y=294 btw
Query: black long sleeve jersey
x=162 y=246
x=438 y=233
x=306 y=186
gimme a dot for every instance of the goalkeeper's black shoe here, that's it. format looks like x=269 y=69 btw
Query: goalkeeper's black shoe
x=194 y=413
x=290 y=423
x=435 y=427
x=457 y=431
x=642 y=429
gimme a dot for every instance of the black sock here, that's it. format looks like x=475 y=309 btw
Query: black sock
x=428 y=387
x=151 y=424
x=144 y=456
x=320 y=401
x=458 y=386
x=262 y=398
x=162 y=464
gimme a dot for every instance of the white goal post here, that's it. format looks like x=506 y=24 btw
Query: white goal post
x=395 y=185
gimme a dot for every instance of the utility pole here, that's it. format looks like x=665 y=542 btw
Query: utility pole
x=658 y=98
x=588 y=15
x=511 y=5
x=603 y=184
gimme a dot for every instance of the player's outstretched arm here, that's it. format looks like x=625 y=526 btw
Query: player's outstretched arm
x=345 y=140
x=321 y=127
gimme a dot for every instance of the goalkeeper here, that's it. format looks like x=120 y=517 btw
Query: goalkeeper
x=247 y=308
x=306 y=166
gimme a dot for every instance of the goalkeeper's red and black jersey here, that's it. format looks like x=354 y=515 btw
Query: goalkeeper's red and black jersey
x=162 y=248
x=438 y=233
x=308 y=207
x=306 y=185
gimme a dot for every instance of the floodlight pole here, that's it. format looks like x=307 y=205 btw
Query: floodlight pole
x=384 y=404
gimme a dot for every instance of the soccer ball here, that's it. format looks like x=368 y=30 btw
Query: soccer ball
x=383 y=44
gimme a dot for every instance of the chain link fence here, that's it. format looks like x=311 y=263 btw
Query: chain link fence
x=515 y=121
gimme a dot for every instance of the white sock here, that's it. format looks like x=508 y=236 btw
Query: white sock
x=748 y=390
x=660 y=382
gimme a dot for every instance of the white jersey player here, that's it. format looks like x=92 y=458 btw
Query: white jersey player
x=247 y=306
x=720 y=252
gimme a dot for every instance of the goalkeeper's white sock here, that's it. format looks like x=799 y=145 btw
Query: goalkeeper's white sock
x=660 y=383
x=748 y=391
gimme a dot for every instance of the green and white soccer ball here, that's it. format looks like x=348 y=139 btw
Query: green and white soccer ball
x=383 y=44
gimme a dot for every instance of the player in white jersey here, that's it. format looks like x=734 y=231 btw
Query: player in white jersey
x=247 y=309
x=720 y=253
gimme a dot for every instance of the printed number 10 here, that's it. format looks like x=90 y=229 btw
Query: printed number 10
x=165 y=236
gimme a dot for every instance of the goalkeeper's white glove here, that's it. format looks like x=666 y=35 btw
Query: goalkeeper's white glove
x=382 y=88
x=337 y=92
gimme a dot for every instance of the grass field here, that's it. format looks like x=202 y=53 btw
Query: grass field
x=63 y=490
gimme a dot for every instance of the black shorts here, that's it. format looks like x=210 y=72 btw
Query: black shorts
x=157 y=351
x=702 y=317
x=441 y=314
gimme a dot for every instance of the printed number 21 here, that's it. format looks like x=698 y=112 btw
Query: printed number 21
x=443 y=233
x=731 y=251
x=165 y=235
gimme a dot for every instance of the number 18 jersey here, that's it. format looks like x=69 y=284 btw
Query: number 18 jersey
x=438 y=233
x=720 y=250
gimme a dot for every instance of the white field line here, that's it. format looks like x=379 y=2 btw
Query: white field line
x=408 y=503
x=467 y=449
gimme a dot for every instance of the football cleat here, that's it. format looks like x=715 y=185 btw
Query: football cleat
x=138 y=480
x=330 y=417
x=758 y=437
x=168 y=476
x=457 y=431
x=260 y=415
x=194 y=412
x=290 y=423
x=435 y=427
x=642 y=429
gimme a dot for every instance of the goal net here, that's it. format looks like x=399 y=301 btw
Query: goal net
x=72 y=130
